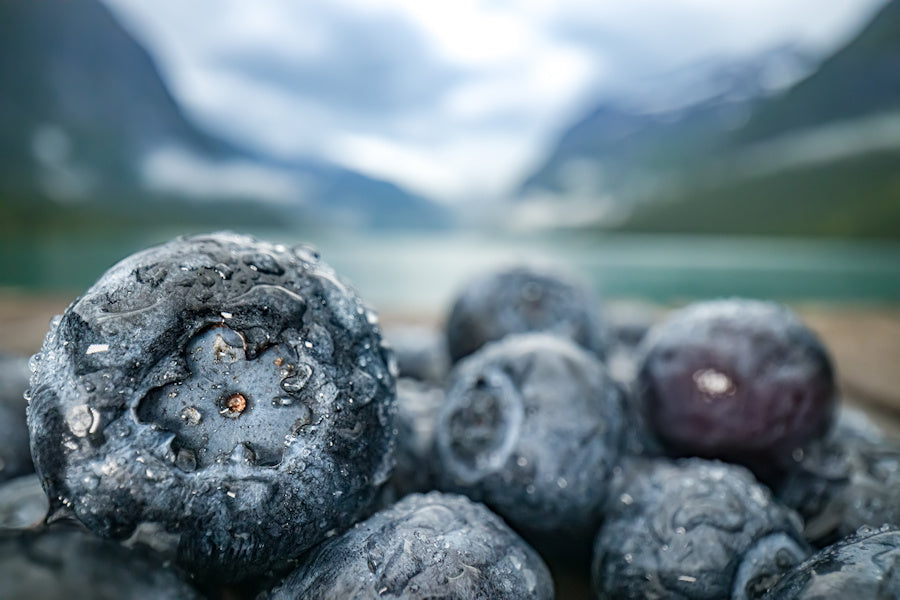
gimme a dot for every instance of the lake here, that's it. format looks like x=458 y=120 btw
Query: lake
x=420 y=271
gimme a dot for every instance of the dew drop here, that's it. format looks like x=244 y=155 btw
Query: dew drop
x=303 y=420
x=363 y=387
x=224 y=271
x=305 y=253
x=264 y=263
x=186 y=460
x=82 y=420
x=298 y=379
x=191 y=415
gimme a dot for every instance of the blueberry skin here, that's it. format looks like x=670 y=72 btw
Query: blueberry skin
x=23 y=503
x=865 y=565
x=739 y=380
x=523 y=299
x=845 y=481
x=532 y=426
x=417 y=407
x=693 y=529
x=421 y=352
x=69 y=564
x=15 y=454
x=426 y=546
x=226 y=394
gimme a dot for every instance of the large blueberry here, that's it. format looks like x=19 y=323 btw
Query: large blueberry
x=740 y=380
x=69 y=564
x=532 y=426
x=693 y=530
x=864 y=565
x=431 y=546
x=522 y=300
x=15 y=455
x=228 y=395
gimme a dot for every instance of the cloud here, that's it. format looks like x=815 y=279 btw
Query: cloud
x=177 y=170
x=373 y=65
x=453 y=99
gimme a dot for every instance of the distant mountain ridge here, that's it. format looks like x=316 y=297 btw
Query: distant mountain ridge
x=821 y=157
x=653 y=125
x=86 y=121
x=861 y=79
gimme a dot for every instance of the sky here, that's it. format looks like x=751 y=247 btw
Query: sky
x=453 y=99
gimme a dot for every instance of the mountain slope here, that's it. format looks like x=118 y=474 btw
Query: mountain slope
x=860 y=79
x=820 y=158
x=661 y=126
x=88 y=130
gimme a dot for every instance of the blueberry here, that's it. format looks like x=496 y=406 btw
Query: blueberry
x=849 y=479
x=417 y=407
x=426 y=546
x=532 y=427
x=227 y=394
x=739 y=380
x=69 y=564
x=521 y=300
x=693 y=529
x=421 y=352
x=23 y=502
x=865 y=565
x=15 y=455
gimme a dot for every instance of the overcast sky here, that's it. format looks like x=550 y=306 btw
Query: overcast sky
x=455 y=99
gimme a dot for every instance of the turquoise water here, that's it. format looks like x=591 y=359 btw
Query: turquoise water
x=421 y=271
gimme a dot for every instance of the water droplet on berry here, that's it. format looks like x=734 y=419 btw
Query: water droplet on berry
x=264 y=263
x=186 y=460
x=298 y=379
x=191 y=415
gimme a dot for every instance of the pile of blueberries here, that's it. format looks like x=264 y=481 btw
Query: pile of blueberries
x=220 y=417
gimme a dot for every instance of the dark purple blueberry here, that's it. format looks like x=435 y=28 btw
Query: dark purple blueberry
x=425 y=546
x=847 y=480
x=228 y=395
x=421 y=352
x=522 y=300
x=15 y=454
x=739 y=380
x=693 y=530
x=532 y=426
x=865 y=565
x=69 y=564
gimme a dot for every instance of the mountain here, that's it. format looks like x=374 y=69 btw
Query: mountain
x=820 y=157
x=861 y=79
x=89 y=131
x=658 y=125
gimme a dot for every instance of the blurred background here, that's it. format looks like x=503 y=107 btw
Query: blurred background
x=663 y=150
